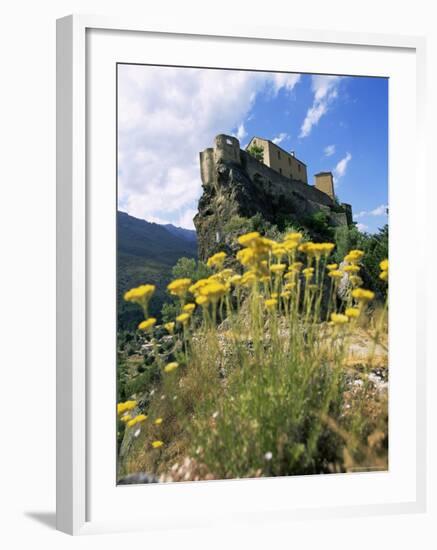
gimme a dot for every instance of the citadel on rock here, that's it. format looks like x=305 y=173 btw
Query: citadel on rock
x=263 y=179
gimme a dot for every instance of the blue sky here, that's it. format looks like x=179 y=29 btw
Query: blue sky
x=167 y=115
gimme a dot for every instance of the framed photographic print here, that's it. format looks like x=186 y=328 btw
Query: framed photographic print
x=232 y=343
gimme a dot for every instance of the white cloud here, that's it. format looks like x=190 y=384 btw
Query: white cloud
x=241 y=132
x=329 y=150
x=165 y=117
x=285 y=81
x=341 y=167
x=380 y=210
x=279 y=139
x=325 y=91
x=362 y=227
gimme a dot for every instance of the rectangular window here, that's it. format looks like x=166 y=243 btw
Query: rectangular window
x=289 y=161
x=280 y=170
x=279 y=154
x=298 y=167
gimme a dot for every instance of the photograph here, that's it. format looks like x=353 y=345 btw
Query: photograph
x=252 y=274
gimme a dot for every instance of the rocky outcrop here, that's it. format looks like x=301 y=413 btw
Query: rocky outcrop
x=236 y=185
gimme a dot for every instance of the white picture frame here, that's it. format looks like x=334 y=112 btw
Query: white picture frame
x=74 y=221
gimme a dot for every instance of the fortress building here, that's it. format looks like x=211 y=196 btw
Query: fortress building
x=279 y=160
x=238 y=185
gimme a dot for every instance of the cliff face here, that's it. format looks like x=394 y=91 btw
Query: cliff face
x=236 y=184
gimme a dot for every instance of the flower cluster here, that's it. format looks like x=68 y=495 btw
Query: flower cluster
x=279 y=309
x=384 y=270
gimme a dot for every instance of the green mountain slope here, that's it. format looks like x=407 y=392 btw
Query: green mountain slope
x=146 y=252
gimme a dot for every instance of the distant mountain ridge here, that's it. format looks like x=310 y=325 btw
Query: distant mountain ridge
x=146 y=253
x=189 y=234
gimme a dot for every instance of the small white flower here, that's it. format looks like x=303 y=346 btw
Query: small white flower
x=152 y=392
x=215 y=415
x=175 y=397
x=268 y=456
x=137 y=433
x=162 y=397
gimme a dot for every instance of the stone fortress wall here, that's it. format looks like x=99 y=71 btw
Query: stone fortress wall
x=227 y=150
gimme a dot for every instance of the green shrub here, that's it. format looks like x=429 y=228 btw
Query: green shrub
x=257 y=152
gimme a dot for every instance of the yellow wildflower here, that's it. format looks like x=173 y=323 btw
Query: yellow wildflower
x=195 y=288
x=335 y=274
x=169 y=327
x=126 y=406
x=183 y=318
x=306 y=248
x=277 y=269
x=189 y=308
x=308 y=272
x=331 y=267
x=384 y=270
x=296 y=266
x=236 y=280
x=362 y=295
x=202 y=301
x=158 y=421
x=137 y=420
x=216 y=260
x=289 y=286
x=384 y=265
x=290 y=245
x=279 y=251
x=339 y=318
x=170 y=367
x=250 y=239
x=224 y=275
x=246 y=256
x=248 y=278
x=353 y=268
x=265 y=243
x=286 y=294
x=148 y=324
x=179 y=287
x=327 y=248
x=213 y=291
x=352 y=312
x=293 y=237
x=315 y=249
x=290 y=275
x=157 y=444
x=140 y=294
x=271 y=303
x=126 y=418
x=354 y=256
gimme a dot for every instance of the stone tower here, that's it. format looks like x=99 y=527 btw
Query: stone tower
x=324 y=182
